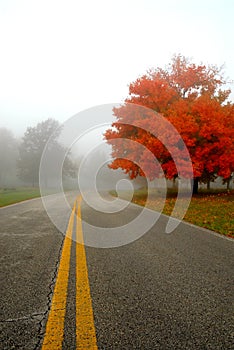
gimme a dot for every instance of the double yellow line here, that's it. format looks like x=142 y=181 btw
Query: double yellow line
x=85 y=329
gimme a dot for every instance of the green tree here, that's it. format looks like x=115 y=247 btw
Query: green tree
x=32 y=146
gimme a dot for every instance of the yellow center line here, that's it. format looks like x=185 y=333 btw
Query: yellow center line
x=54 y=334
x=85 y=329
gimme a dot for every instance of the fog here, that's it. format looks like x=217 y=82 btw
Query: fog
x=8 y=159
x=61 y=57
x=79 y=160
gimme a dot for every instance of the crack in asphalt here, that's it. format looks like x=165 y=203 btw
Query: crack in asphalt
x=42 y=322
x=32 y=316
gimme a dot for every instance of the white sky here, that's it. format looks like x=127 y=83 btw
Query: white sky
x=60 y=57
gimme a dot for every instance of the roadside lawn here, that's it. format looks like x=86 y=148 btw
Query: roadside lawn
x=15 y=195
x=210 y=209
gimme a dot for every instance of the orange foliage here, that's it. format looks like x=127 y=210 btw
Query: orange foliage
x=191 y=97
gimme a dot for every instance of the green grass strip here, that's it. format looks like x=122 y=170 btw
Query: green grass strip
x=15 y=195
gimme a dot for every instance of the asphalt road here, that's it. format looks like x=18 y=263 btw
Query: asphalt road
x=159 y=292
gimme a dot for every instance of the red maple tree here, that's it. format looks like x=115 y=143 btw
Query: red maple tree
x=193 y=99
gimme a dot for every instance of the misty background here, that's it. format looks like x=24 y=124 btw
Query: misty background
x=61 y=57
x=20 y=159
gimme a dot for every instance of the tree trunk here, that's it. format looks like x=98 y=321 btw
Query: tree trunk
x=228 y=184
x=174 y=183
x=208 y=185
x=194 y=184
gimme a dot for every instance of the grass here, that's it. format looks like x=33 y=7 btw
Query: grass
x=209 y=209
x=15 y=195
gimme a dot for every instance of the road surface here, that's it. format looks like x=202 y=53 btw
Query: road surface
x=159 y=292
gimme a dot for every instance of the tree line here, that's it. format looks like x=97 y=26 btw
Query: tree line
x=193 y=98
x=20 y=159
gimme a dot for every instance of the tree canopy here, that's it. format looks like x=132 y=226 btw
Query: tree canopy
x=32 y=146
x=194 y=100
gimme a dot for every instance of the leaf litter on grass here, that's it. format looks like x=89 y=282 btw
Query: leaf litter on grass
x=213 y=211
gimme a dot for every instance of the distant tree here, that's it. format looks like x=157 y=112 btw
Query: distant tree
x=193 y=99
x=32 y=146
x=8 y=155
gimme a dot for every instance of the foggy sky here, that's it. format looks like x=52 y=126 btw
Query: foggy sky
x=61 y=57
